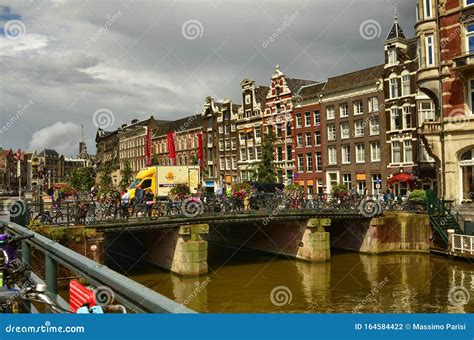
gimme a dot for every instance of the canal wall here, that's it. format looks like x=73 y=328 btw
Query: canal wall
x=392 y=232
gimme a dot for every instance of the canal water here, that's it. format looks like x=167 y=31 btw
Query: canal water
x=246 y=282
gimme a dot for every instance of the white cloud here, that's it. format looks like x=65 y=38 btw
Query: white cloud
x=63 y=137
x=28 y=43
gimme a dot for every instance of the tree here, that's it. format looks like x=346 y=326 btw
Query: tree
x=266 y=172
x=126 y=174
x=154 y=160
x=106 y=177
x=82 y=179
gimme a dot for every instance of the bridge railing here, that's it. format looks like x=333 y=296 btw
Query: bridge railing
x=463 y=244
x=127 y=292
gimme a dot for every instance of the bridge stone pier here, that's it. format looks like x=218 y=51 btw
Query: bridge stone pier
x=180 y=249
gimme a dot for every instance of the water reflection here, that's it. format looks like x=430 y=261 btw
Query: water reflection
x=349 y=283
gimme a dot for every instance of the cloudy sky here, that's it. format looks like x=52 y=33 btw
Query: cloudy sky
x=64 y=64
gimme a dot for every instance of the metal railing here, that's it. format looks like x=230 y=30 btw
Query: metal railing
x=127 y=292
x=463 y=244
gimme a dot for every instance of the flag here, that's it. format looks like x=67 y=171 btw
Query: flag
x=171 y=136
x=148 y=148
x=200 y=151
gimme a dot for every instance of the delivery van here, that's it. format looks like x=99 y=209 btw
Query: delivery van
x=161 y=179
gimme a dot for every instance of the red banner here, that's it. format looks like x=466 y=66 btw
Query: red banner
x=148 y=148
x=200 y=150
x=171 y=146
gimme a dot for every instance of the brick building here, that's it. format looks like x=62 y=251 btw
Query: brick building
x=279 y=116
x=405 y=109
x=355 y=131
x=249 y=128
x=186 y=141
x=445 y=35
x=308 y=136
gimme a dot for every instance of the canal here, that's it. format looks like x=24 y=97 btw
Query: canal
x=246 y=282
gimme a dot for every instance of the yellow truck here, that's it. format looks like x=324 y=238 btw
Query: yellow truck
x=161 y=179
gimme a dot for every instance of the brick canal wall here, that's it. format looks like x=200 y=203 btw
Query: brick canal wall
x=393 y=232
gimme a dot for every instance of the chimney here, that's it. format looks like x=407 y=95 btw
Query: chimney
x=134 y=121
x=124 y=126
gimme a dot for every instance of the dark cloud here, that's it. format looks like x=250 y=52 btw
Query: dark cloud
x=132 y=58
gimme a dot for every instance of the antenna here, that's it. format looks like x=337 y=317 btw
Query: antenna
x=396 y=10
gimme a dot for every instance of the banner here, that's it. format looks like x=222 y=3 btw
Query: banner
x=200 y=151
x=228 y=326
x=171 y=136
x=18 y=164
x=148 y=147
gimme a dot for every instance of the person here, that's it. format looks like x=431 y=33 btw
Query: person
x=50 y=193
x=354 y=194
x=229 y=191
x=94 y=191
x=139 y=194
x=124 y=201
x=387 y=197
x=219 y=191
x=149 y=200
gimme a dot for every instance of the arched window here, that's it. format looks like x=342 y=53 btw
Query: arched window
x=467 y=171
x=393 y=85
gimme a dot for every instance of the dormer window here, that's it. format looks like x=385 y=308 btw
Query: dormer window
x=392 y=56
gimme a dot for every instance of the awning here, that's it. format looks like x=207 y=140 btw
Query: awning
x=402 y=177
x=361 y=177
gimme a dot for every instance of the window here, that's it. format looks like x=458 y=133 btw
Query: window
x=278 y=108
x=307 y=119
x=427 y=8
x=347 y=180
x=227 y=129
x=259 y=152
x=374 y=126
x=394 y=119
x=346 y=154
x=331 y=132
x=360 y=153
x=242 y=137
x=279 y=131
x=396 y=152
x=426 y=110
x=221 y=146
x=344 y=110
x=309 y=162
x=406 y=88
x=299 y=140
x=330 y=112
x=359 y=128
x=470 y=37
x=418 y=52
x=243 y=154
x=221 y=129
x=344 y=130
x=228 y=163
x=279 y=154
x=288 y=128
x=407 y=151
x=358 y=107
x=251 y=154
x=407 y=117
x=375 y=152
x=308 y=139
x=298 y=120
x=424 y=156
x=258 y=133
x=234 y=163
x=332 y=155
x=393 y=86
x=373 y=104
x=317 y=138
x=319 y=161
x=429 y=50
x=317 y=118
x=247 y=99
x=469 y=2
x=289 y=153
x=300 y=163
x=222 y=163
x=320 y=187
x=392 y=56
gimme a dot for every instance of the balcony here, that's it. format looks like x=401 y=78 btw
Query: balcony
x=464 y=62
